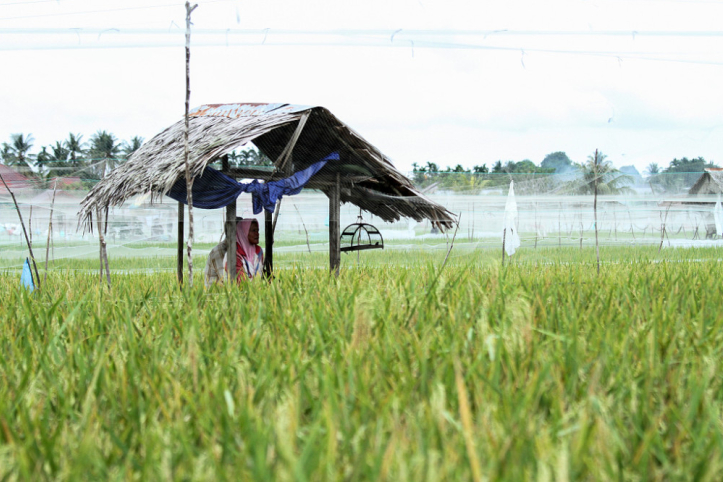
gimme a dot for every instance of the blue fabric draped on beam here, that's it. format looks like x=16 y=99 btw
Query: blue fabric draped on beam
x=213 y=190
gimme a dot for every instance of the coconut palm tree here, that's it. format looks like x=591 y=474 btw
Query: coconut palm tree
x=6 y=154
x=18 y=151
x=75 y=146
x=132 y=146
x=104 y=147
x=55 y=163
x=599 y=175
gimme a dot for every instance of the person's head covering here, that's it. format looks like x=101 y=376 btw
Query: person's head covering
x=243 y=227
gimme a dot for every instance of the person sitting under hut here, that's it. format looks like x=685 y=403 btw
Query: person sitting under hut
x=249 y=255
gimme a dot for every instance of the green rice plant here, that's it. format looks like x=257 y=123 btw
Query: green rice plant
x=395 y=370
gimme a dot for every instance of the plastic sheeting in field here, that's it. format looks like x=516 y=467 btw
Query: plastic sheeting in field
x=26 y=279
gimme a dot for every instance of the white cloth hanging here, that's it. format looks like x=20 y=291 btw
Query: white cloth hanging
x=718 y=216
x=510 y=235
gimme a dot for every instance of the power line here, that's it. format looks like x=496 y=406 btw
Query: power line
x=387 y=33
x=351 y=38
x=109 y=10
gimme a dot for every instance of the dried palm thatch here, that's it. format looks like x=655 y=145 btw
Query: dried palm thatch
x=710 y=182
x=367 y=177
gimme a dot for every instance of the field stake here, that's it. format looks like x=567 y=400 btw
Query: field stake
x=189 y=180
x=504 y=236
x=453 y=237
x=103 y=256
x=304 y=226
x=27 y=240
x=594 y=208
x=50 y=230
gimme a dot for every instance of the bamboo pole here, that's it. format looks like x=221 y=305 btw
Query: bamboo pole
x=269 y=244
x=276 y=215
x=189 y=180
x=179 y=254
x=304 y=226
x=454 y=236
x=22 y=223
x=662 y=230
x=504 y=237
x=559 y=225
x=230 y=231
x=50 y=230
x=594 y=207
x=537 y=228
x=230 y=228
x=334 y=227
x=105 y=246
x=101 y=240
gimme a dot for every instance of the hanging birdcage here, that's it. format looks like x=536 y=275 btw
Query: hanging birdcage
x=360 y=236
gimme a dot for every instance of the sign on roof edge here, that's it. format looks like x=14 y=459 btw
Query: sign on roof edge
x=245 y=110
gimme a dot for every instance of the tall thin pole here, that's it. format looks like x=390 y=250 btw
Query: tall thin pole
x=179 y=257
x=189 y=181
x=50 y=231
x=504 y=238
x=103 y=255
x=27 y=240
x=334 y=218
x=594 y=208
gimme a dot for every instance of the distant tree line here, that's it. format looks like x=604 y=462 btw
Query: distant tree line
x=86 y=161
x=558 y=173
x=678 y=176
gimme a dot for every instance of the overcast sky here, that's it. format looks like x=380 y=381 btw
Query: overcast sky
x=450 y=82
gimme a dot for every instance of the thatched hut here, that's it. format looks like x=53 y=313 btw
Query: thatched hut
x=709 y=183
x=294 y=137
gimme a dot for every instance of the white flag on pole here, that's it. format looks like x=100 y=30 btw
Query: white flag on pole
x=509 y=235
x=718 y=216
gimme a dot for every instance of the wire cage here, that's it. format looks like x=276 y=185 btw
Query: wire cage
x=360 y=236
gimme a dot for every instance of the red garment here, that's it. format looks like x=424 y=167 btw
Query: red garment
x=244 y=265
x=247 y=267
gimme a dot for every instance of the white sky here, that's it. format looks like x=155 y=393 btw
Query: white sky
x=645 y=87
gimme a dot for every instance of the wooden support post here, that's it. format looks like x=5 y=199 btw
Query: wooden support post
x=269 y=247
x=334 y=229
x=504 y=239
x=230 y=229
x=20 y=216
x=230 y=226
x=180 y=243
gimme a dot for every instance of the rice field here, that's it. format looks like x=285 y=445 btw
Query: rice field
x=398 y=369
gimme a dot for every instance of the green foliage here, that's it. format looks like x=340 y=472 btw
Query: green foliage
x=653 y=169
x=17 y=153
x=250 y=156
x=598 y=174
x=128 y=148
x=681 y=174
x=460 y=179
x=557 y=161
x=562 y=374
x=75 y=146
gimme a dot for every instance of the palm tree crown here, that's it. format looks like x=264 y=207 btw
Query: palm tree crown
x=599 y=174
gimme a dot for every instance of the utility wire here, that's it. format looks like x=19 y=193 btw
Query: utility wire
x=401 y=34
x=109 y=10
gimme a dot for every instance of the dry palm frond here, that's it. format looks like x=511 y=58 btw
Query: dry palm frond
x=368 y=178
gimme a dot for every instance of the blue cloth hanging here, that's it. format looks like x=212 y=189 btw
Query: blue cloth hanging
x=26 y=279
x=213 y=189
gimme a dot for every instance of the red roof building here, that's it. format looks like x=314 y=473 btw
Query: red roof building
x=14 y=180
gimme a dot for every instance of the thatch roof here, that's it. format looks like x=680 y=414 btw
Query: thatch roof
x=368 y=178
x=710 y=182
